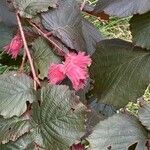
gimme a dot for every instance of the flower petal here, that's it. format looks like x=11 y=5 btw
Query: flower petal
x=56 y=73
x=80 y=59
x=77 y=75
x=15 y=45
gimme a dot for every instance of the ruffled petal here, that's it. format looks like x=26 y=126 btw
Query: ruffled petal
x=56 y=73
x=14 y=47
x=75 y=68
x=81 y=59
x=77 y=75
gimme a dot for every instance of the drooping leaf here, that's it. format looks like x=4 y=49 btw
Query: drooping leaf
x=65 y=22
x=122 y=8
x=43 y=56
x=144 y=114
x=91 y=36
x=118 y=133
x=140 y=29
x=11 y=129
x=6 y=15
x=6 y=34
x=120 y=71
x=15 y=90
x=60 y=117
x=29 y=8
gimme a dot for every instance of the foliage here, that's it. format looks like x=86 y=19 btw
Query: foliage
x=37 y=114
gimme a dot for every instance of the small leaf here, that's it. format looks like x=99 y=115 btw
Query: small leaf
x=122 y=8
x=60 y=118
x=121 y=72
x=43 y=56
x=6 y=34
x=118 y=133
x=144 y=114
x=29 y=8
x=15 y=90
x=140 y=30
x=11 y=129
x=65 y=22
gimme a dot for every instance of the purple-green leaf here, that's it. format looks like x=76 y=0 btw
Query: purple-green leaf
x=121 y=72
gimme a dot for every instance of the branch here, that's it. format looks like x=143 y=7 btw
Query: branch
x=45 y=36
x=36 y=80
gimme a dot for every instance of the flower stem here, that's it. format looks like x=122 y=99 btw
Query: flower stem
x=36 y=80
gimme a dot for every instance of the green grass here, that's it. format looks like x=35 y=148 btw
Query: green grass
x=114 y=28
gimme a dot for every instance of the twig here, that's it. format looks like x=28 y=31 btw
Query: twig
x=45 y=36
x=36 y=80
x=21 y=69
x=82 y=5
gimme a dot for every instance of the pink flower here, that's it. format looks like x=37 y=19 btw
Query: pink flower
x=55 y=73
x=15 y=45
x=74 y=67
x=81 y=60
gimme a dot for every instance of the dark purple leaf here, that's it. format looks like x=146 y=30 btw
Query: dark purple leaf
x=65 y=22
x=122 y=8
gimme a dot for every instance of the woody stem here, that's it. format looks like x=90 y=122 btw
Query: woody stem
x=36 y=80
x=45 y=36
